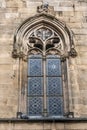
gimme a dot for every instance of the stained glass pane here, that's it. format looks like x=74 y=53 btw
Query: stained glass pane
x=35 y=86
x=55 y=106
x=35 y=106
x=53 y=67
x=35 y=66
x=54 y=86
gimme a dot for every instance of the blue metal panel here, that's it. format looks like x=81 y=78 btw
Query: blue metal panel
x=35 y=86
x=54 y=86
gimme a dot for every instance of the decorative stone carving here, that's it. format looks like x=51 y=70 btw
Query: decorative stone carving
x=14 y=53
x=45 y=41
x=43 y=31
x=43 y=8
x=73 y=52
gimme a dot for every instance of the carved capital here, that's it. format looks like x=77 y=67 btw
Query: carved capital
x=15 y=54
x=24 y=58
x=63 y=59
x=73 y=53
x=21 y=54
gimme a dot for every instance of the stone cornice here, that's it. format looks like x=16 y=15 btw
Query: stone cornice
x=62 y=120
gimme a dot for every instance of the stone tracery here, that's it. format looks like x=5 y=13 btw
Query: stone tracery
x=43 y=29
x=45 y=40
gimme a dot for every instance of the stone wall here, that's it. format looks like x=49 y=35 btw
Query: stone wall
x=43 y=126
x=12 y=14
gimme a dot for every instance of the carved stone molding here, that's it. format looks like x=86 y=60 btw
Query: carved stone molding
x=73 y=53
x=14 y=53
x=43 y=8
x=42 y=34
x=43 y=28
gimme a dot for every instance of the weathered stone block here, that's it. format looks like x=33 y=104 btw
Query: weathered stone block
x=76 y=126
x=80 y=31
x=66 y=4
x=75 y=25
x=11 y=15
x=81 y=8
x=2 y=3
x=68 y=13
x=56 y=8
x=32 y=5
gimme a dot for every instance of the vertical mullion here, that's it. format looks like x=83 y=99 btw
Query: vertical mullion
x=44 y=85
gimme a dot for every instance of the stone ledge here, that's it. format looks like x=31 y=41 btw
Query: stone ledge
x=67 y=120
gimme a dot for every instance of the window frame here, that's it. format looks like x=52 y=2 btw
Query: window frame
x=63 y=84
x=21 y=51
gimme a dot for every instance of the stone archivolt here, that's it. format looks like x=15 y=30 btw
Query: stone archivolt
x=44 y=29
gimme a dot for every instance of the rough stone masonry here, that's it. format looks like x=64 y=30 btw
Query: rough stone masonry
x=12 y=14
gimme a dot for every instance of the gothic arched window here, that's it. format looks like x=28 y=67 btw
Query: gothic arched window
x=45 y=74
x=43 y=45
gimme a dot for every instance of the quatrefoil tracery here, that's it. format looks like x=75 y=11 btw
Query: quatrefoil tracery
x=45 y=40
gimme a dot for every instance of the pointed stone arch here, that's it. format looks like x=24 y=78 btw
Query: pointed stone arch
x=22 y=34
x=22 y=48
